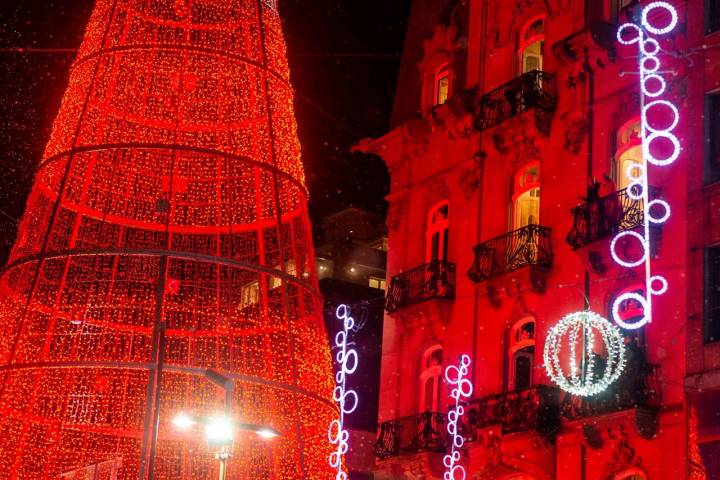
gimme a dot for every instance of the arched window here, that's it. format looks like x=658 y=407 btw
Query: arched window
x=429 y=381
x=442 y=85
x=436 y=234
x=628 y=152
x=631 y=474
x=521 y=354
x=531 y=44
x=526 y=197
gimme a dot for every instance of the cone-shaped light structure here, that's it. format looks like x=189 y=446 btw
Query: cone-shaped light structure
x=167 y=233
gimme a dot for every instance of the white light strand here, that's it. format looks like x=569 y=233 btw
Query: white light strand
x=652 y=86
x=462 y=389
x=585 y=379
x=347 y=400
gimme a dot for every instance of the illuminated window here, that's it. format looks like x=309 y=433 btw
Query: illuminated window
x=526 y=197
x=429 y=384
x=627 y=153
x=521 y=354
x=436 y=236
x=712 y=133
x=712 y=294
x=250 y=294
x=712 y=16
x=531 y=46
x=379 y=283
x=442 y=86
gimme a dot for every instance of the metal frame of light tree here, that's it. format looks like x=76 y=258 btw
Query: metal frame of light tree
x=166 y=233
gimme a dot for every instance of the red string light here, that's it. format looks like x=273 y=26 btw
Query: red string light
x=167 y=232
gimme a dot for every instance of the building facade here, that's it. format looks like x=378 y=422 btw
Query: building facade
x=514 y=124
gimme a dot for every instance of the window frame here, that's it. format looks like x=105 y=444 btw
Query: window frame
x=429 y=372
x=519 y=348
x=712 y=149
x=708 y=283
x=525 y=41
x=519 y=190
x=441 y=73
x=712 y=16
x=442 y=229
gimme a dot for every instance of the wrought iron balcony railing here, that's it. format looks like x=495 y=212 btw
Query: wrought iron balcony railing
x=529 y=245
x=534 y=89
x=606 y=216
x=434 y=280
x=638 y=386
x=536 y=408
x=424 y=432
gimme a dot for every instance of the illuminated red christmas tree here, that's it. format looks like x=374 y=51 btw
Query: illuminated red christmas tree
x=167 y=233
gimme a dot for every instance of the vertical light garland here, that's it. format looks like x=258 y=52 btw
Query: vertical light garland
x=652 y=86
x=347 y=359
x=456 y=375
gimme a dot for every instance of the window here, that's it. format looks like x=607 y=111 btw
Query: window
x=442 y=86
x=531 y=45
x=429 y=382
x=712 y=134
x=526 y=197
x=712 y=294
x=379 y=283
x=630 y=311
x=436 y=236
x=712 y=16
x=250 y=294
x=628 y=152
x=521 y=354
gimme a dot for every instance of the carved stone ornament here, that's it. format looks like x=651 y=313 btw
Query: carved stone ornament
x=524 y=150
x=444 y=41
x=396 y=212
x=436 y=190
x=628 y=107
x=622 y=454
x=470 y=177
x=577 y=128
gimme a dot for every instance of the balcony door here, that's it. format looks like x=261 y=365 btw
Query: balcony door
x=429 y=381
x=627 y=153
x=526 y=197
x=437 y=232
x=531 y=45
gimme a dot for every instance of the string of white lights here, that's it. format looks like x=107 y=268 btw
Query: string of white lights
x=585 y=379
x=462 y=390
x=652 y=86
x=347 y=359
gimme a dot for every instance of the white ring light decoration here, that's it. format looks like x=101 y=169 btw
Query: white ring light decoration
x=652 y=86
x=347 y=400
x=462 y=389
x=583 y=379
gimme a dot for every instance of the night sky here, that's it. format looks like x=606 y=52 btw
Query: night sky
x=344 y=57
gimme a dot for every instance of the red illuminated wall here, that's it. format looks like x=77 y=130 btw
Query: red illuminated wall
x=444 y=153
x=166 y=233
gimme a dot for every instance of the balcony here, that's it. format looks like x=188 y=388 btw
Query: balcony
x=526 y=246
x=434 y=280
x=424 y=432
x=605 y=217
x=531 y=90
x=638 y=386
x=531 y=409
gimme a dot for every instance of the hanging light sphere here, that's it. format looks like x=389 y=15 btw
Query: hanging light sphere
x=584 y=353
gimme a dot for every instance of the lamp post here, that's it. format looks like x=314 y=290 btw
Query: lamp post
x=219 y=429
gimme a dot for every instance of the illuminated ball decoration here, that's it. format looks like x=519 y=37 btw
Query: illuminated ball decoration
x=660 y=146
x=456 y=377
x=167 y=232
x=347 y=400
x=584 y=353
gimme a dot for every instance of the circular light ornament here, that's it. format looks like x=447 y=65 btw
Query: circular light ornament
x=625 y=263
x=571 y=351
x=665 y=208
x=456 y=377
x=644 y=320
x=647 y=11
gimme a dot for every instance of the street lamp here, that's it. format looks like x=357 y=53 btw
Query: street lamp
x=220 y=429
